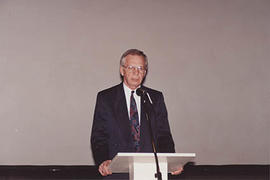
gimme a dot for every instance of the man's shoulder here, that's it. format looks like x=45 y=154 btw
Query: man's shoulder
x=152 y=91
x=111 y=90
x=155 y=95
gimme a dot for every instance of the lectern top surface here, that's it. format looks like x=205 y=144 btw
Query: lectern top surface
x=122 y=161
x=159 y=154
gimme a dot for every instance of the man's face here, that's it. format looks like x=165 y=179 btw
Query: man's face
x=132 y=76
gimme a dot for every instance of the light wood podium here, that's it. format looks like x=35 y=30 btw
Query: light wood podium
x=142 y=166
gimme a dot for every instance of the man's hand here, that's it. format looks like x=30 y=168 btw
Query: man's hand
x=104 y=168
x=178 y=171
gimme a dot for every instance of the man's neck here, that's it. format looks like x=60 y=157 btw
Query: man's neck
x=131 y=88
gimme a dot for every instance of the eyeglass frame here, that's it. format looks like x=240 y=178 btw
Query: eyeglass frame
x=131 y=68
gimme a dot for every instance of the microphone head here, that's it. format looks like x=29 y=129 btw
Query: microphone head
x=140 y=91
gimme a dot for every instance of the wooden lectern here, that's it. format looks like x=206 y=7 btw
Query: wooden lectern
x=142 y=166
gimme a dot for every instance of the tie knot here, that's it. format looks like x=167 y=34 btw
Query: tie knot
x=132 y=92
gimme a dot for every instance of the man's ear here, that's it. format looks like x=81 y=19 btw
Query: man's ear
x=121 y=71
x=145 y=74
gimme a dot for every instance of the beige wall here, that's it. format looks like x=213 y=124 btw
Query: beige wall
x=209 y=57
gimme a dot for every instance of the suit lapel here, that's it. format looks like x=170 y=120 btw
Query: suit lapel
x=145 y=131
x=122 y=113
x=143 y=126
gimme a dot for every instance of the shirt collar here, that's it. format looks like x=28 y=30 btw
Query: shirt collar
x=128 y=90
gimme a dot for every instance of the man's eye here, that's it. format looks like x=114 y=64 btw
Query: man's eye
x=130 y=67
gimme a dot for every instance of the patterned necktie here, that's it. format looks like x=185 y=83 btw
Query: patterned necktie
x=134 y=122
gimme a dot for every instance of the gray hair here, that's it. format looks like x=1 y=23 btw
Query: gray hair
x=134 y=52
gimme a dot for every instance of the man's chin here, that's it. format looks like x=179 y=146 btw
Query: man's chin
x=134 y=86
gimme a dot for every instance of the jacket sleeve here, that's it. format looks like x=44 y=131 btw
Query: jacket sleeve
x=99 y=134
x=165 y=141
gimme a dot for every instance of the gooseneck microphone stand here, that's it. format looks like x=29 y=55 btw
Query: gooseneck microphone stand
x=148 y=106
x=158 y=175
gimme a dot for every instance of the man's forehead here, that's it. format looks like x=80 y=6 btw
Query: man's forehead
x=134 y=59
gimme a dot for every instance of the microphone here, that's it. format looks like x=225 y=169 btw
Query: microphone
x=149 y=106
x=144 y=94
x=141 y=92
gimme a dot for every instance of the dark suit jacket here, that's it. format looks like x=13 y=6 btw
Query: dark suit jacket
x=111 y=131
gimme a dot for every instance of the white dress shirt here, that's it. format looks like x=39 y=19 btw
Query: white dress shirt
x=137 y=99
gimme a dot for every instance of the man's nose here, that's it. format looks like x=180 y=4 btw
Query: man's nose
x=136 y=71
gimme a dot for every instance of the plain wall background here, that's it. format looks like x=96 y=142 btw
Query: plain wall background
x=210 y=58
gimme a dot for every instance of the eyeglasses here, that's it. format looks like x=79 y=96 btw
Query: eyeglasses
x=131 y=68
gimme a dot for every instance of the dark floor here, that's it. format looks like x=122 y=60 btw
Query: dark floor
x=191 y=172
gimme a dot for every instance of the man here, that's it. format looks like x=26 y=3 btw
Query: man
x=120 y=123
